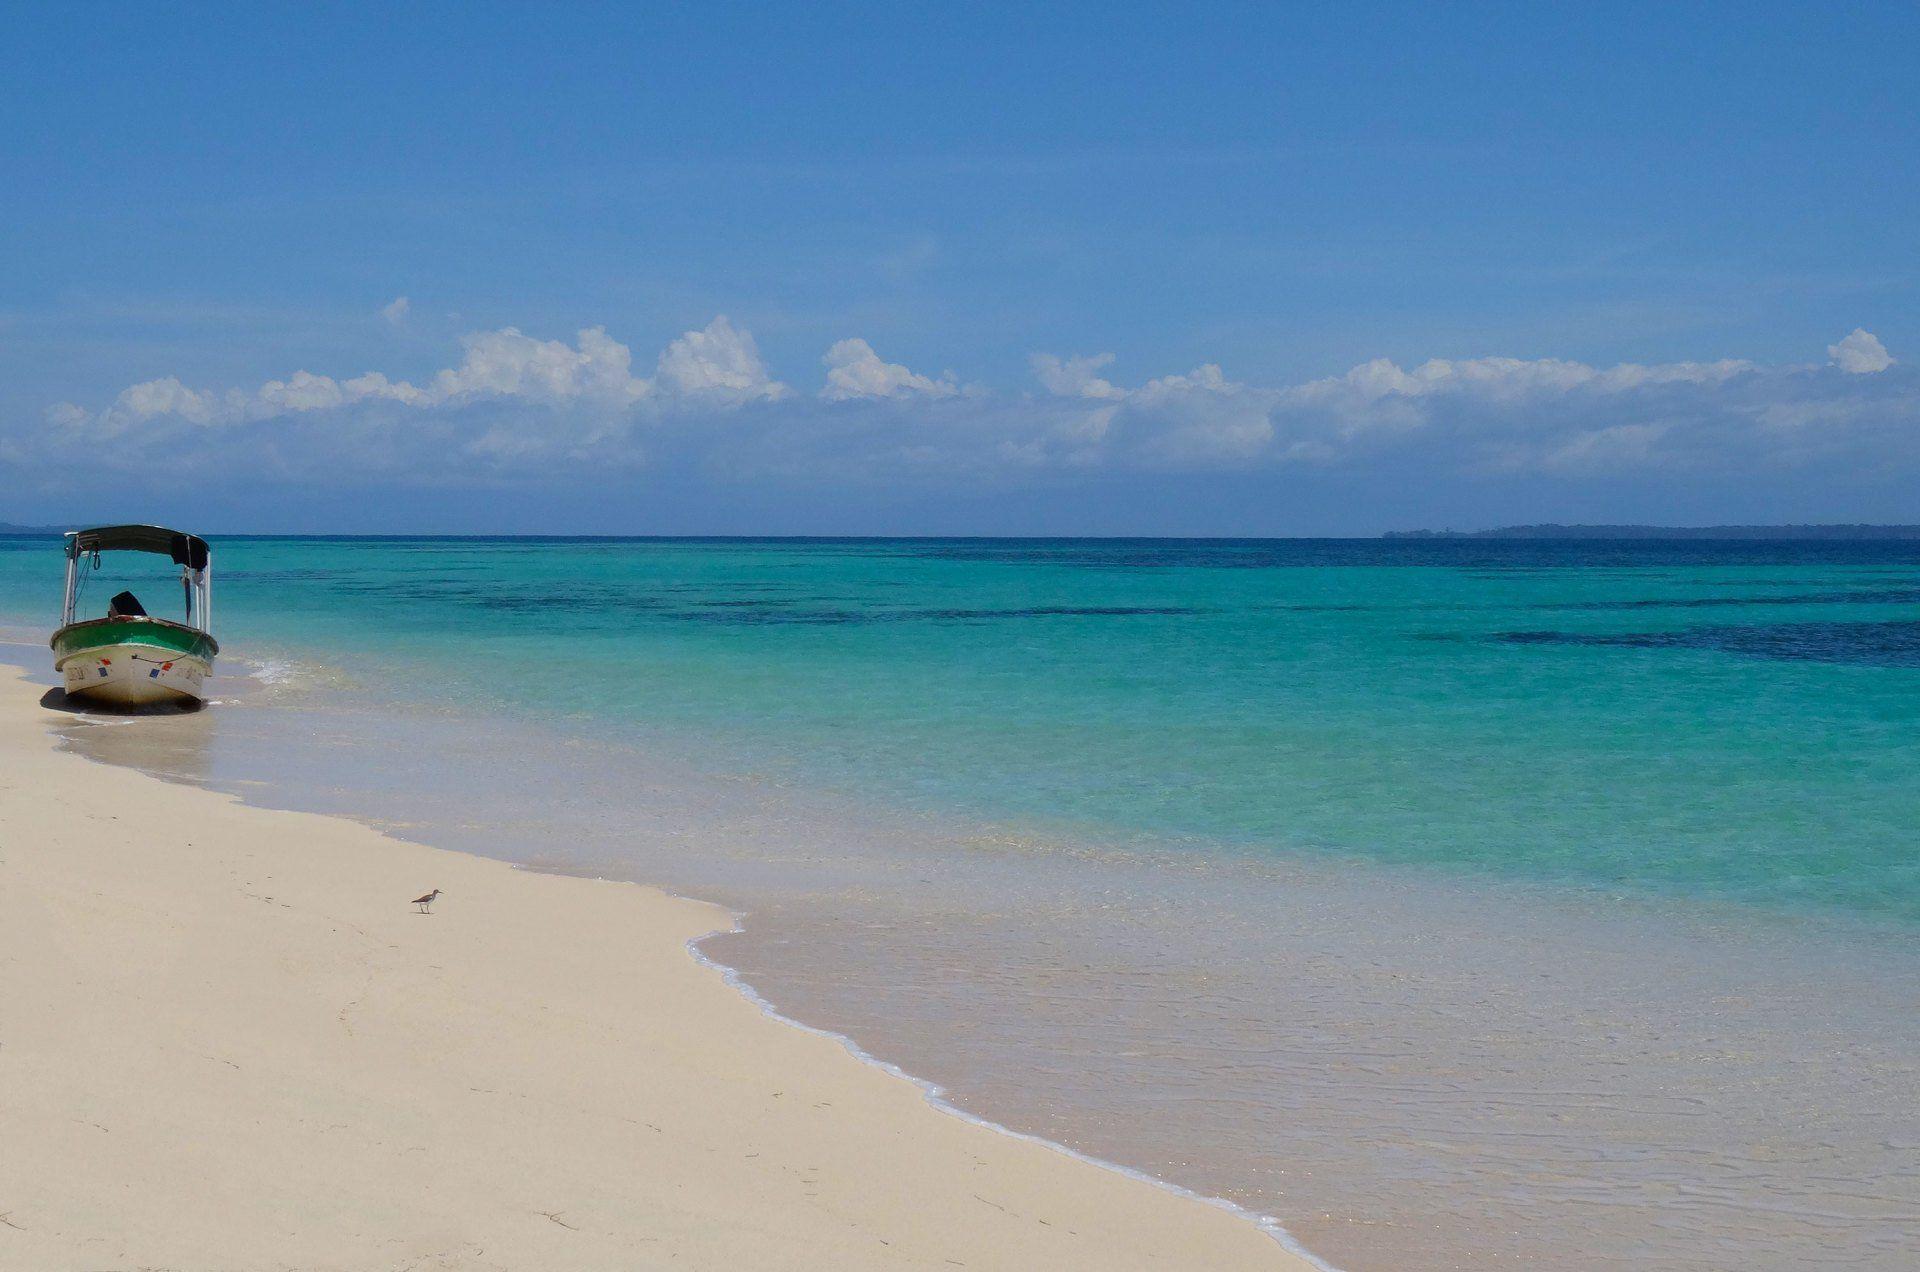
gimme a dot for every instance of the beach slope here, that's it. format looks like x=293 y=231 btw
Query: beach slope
x=227 y=1041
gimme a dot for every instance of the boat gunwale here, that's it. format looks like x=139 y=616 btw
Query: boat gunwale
x=211 y=647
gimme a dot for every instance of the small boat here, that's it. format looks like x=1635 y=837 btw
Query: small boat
x=130 y=658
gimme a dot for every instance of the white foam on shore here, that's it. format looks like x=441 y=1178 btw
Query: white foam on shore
x=936 y=1095
x=272 y=671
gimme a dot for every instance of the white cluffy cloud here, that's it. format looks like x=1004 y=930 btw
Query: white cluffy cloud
x=1074 y=377
x=719 y=360
x=854 y=370
x=506 y=363
x=1860 y=353
x=395 y=310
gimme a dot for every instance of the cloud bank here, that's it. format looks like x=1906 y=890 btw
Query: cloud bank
x=517 y=408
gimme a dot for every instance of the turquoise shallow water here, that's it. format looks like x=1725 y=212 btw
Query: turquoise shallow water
x=1725 y=721
x=1458 y=904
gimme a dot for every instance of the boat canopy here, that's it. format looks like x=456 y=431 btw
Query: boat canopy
x=189 y=550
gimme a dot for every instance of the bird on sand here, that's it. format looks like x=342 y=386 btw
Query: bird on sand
x=426 y=903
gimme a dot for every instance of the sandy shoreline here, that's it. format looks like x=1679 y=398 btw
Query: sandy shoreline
x=227 y=1042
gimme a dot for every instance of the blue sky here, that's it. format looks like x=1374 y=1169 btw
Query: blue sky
x=1013 y=269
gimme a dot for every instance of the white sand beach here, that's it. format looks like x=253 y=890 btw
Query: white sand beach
x=228 y=1042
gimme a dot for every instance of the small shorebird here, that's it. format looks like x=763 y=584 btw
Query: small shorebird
x=426 y=903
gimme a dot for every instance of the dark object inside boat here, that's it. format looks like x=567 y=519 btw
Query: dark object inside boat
x=126 y=605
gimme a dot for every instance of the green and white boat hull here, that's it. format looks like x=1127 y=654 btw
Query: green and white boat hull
x=134 y=662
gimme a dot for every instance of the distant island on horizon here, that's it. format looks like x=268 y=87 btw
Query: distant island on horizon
x=1551 y=530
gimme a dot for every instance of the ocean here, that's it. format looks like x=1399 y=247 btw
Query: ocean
x=1531 y=903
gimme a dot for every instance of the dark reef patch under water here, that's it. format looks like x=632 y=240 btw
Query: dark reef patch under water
x=1888 y=644
x=1862 y=596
